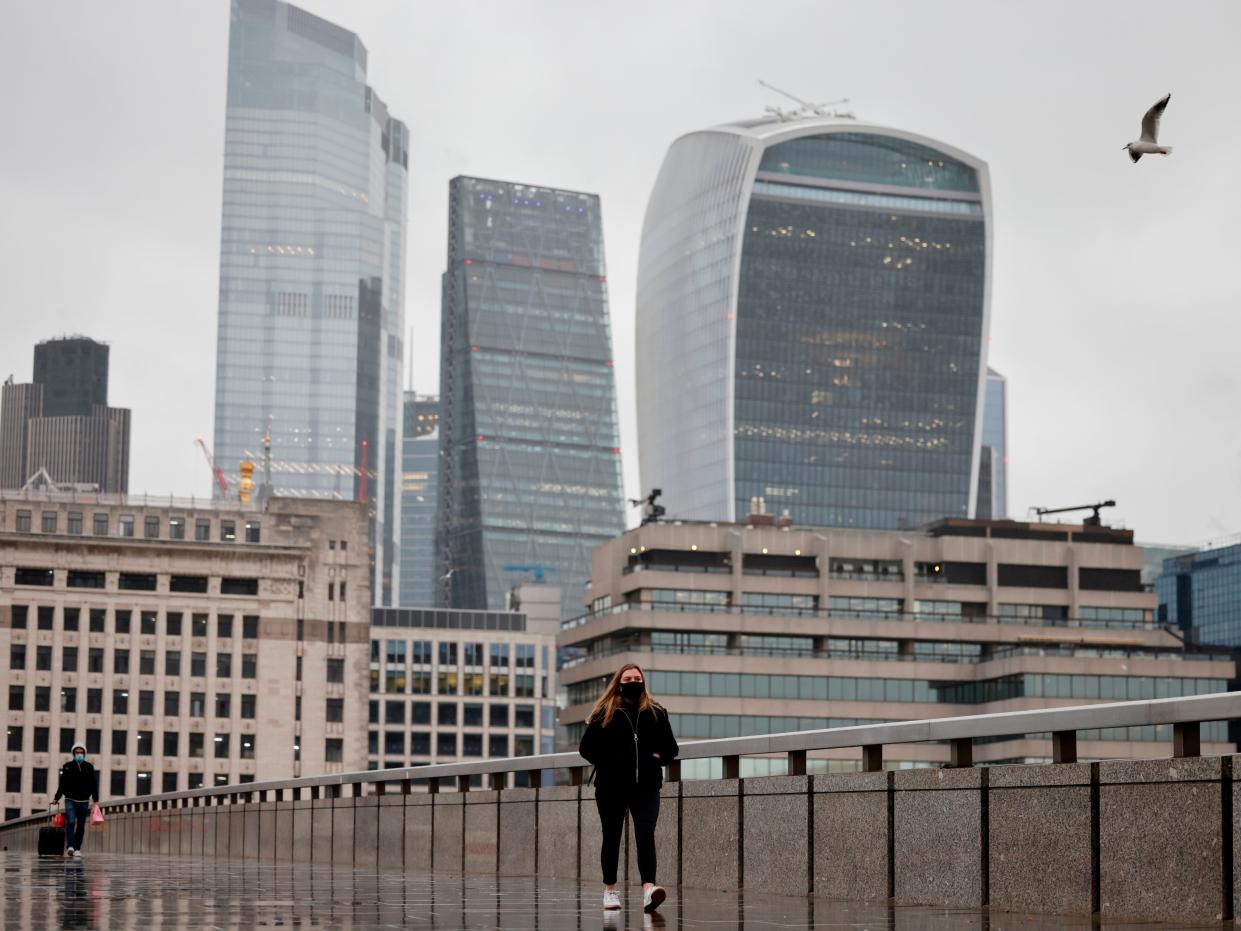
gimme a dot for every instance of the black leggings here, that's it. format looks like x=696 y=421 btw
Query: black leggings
x=644 y=807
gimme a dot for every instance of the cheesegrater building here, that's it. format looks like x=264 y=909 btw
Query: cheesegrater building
x=812 y=311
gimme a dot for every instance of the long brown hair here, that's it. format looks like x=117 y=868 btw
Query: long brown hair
x=610 y=700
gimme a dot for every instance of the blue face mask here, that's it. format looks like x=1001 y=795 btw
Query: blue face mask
x=79 y=757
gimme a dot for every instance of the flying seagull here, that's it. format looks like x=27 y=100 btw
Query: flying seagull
x=1148 y=144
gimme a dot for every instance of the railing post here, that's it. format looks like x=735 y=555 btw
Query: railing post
x=535 y=778
x=1064 y=747
x=381 y=788
x=1187 y=739
x=407 y=786
x=872 y=758
x=575 y=775
x=433 y=785
x=674 y=771
x=499 y=781
x=357 y=789
x=797 y=762
x=463 y=783
x=732 y=767
x=962 y=755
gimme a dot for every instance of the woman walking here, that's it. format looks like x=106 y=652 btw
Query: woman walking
x=629 y=741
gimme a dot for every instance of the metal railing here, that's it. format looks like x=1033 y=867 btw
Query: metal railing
x=1184 y=714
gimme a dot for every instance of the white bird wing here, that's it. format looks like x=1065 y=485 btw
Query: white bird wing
x=1150 y=122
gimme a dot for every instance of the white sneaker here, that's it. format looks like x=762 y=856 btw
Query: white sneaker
x=69 y=852
x=78 y=854
x=653 y=898
x=611 y=901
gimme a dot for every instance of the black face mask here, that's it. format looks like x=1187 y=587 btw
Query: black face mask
x=632 y=691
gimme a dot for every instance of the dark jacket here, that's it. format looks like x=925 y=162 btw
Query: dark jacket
x=623 y=752
x=78 y=781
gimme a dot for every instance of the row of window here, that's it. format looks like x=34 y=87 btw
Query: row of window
x=43 y=577
x=196 y=704
x=144 y=742
x=125 y=524
x=446 y=744
x=148 y=622
x=422 y=653
x=446 y=713
x=397 y=682
x=70 y=661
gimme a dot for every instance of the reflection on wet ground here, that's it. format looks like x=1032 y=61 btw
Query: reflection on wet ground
x=148 y=892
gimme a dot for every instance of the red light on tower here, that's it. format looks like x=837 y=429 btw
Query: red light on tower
x=480 y=437
x=469 y=261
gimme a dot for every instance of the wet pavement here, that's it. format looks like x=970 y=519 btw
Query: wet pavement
x=150 y=892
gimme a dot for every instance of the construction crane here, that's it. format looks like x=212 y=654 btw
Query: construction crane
x=1094 y=520
x=215 y=470
x=537 y=568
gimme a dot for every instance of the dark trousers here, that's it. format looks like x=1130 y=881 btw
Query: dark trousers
x=76 y=816
x=643 y=806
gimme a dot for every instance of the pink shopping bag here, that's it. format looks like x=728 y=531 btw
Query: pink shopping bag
x=96 y=816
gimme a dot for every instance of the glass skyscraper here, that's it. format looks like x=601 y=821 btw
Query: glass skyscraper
x=312 y=269
x=420 y=469
x=993 y=461
x=530 y=473
x=812 y=312
x=1200 y=592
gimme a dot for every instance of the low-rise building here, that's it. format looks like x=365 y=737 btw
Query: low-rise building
x=182 y=642
x=763 y=627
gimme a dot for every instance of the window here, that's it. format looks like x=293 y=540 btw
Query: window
x=69 y=659
x=420 y=743
x=221 y=746
x=525 y=656
x=394 y=743
x=198 y=664
x=372 y=742
x=20 y=613
x=198 y=625
x=253 y=532
x=14 y=744
x=448 y=683
x=523 y=716
x=198 y=704
x=136 y=581
x=172 y=663
x=146 y=623
x=497 y=745
x=120 y=739
x=49 y=521
x=194 y=781
x=248 y=703
x=421 y=652
x=28 y=576
x=228 y=531
x=333 y=750
x=196 y=745
x=172 y=704
x=335 y=670
x=249 y=665
x=146 y=702
x=220 y=779
x=120 y=701
x=23 y=521
x=146 y=663
x=448 y=654
x=247 y=748
x=224 y=665
x=38 y=780
x=239 y=587
x=335 y=710
x=202 y=529
x=42 y=658
x=223 y=704
x=99 y=525
x=120 y=662
x=72 y=618
x=122 y=622
x=446 y=714
x=94 y=660
x=394 y=712
x=41 y=737
x=126 y=525
x=420 y=712
x=342 y=590
x=171 y=739
x=143 y=785
x=250 y=627
x=94 y=740
x=420 y=683
x=472 y=683
x=145 y=743
x=75 y=522
x=499 y=716
x=94 y=701
x=42 y=698
x=12 y=779
x=98 y=617
x=68 y=701
x=150 y=528
x=176 y=528
x=473 y=654
x=47 y=617
x=446 y=744
x=168 y=782
x=116 y=783
x=17 y=698
x=224 y=626
x=523 y=686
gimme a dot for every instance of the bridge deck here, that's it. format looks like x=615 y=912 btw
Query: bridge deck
x=148 y=892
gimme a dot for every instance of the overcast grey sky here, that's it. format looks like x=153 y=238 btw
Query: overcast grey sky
x=1115 y=303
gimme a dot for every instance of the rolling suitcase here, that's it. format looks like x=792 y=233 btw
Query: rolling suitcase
x=51 y=842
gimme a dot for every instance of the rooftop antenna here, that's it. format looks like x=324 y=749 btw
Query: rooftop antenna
x=805 y=108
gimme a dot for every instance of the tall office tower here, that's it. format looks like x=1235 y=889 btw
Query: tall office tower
x=61 y=423
x=812 y=309
x=993 y=458
x=530 y=474
x=420 y=456
x=312 y=269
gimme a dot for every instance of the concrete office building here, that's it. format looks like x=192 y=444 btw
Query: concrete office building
x=60 y=424
x=183 y=642
x=992 y=503
x=458 y=684
x=754 y=627
x=312 y=252
x=420 y=469
x=812 y=313
x=530 y=468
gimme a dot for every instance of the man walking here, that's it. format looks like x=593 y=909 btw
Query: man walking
x=77 y=785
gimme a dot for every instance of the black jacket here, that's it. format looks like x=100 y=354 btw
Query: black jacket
x=623 y=752
x=78 y=781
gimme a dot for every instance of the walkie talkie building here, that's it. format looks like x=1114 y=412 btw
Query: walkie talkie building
x=812 y=312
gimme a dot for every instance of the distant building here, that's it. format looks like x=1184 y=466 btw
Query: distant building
x=754 y=628
x=812 y=314
x=420 y=454
x=185 y=643
x=1200 y=592
x=530 y=466
x=61 y=423
x=993 y=461
x=452 y=685
x=312 y=256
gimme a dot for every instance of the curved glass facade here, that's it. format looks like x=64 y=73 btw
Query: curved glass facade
x=311 y=261
x=855 y=318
